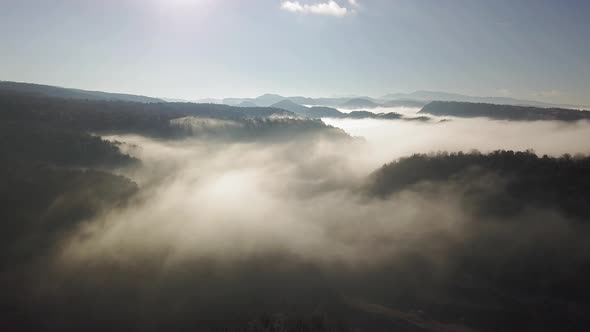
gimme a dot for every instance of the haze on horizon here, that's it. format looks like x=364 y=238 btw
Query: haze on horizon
x=190 y=49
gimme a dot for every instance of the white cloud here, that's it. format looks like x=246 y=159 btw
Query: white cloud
x=330 y=8
x=354 y=3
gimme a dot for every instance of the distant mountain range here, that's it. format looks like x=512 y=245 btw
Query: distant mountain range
x=317 y=112
x=428 y=96
x=271 y=99
x=444 y=108
x=416 y=99
x=357 y=103
x=404 y=103
x=59 y=92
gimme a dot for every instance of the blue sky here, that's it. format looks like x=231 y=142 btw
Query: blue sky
x=214 y=48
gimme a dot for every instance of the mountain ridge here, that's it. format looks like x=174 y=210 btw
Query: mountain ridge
x=502 y=112
x=72 y=93
x=428 y=96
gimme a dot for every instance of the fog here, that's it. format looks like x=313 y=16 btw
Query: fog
x=203 y=198
x=388 y=140
x=231 y=227
x=231 y=200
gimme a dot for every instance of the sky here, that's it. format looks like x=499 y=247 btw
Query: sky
x=526 y=49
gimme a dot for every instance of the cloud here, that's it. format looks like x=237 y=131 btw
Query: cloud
x=354 y=3
x=330 y=8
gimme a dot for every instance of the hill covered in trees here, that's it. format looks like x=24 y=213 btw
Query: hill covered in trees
x=502 y=112
x=430 y=96
x=115 y=116
x=357 y=103
x=523 y=179
x=521 y=250
x=59 y=92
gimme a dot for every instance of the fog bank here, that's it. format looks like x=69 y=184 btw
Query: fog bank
x=389 y=140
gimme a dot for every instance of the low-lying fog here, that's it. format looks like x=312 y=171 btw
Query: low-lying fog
x=388 y=140
x=220 y=228
x=206 y=198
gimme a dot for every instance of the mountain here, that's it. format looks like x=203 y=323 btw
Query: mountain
x=303 y=100
x=55 y=91
x=290 y=106
x=405 y=103
x=502 y=112
x=262 y=101
x=325 y=112
x=417 y=99
x=330 y=102
x=315 y=112
x=177 y=100
x=268 y=99
x=318 y=112
x=148 y=119
x=235 y=101
x=390 y=116
x=246 y=103
x=206 y=101
x=361 y=115
x=357 y=103
x=445 y=96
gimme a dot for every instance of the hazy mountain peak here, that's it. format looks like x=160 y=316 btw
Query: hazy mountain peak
x=357 y=103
